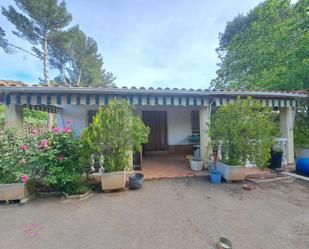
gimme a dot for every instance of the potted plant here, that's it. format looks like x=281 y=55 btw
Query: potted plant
x=114 y=134
x=13 y=171
x=246 y=133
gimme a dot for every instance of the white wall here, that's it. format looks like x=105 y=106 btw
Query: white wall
x=178 y=120
x=75 y=113
x=178 y=125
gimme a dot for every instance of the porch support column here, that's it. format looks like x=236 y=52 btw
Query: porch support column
x=13 y=115
x=286 y=128
x=204 y=138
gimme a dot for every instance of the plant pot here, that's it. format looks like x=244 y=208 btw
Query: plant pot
x=276 y=159
x=215 y=177
x=231 y=173
x=13 y=191
x=136 y=180
x=196 y=165
x=113 y=180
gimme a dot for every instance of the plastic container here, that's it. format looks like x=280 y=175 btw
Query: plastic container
x=136 y=180
x=215 y=177
x=197 y=151
x=302 y=165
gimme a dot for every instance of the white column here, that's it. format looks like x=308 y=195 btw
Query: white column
x=13 y=115
x=286 y=127
x=204 y=138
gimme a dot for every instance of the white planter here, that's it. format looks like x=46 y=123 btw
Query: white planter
x=113 y=180
x=231 y=173
x=13 y=191
x=196 y=165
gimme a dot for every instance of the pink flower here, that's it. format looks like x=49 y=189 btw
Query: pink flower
x=56 y=130
x=61 y=157
x=24 y=178
x=24 y=147
x=34 y=132
x=44 y=144
x=67 y=130
x=69 y=122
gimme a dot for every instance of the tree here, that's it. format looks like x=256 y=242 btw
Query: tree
x=4 y=42
x=36 y=22
x=266 y=49
x=76 y=57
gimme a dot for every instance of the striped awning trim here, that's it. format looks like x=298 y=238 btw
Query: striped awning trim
x=280 y=103
x=101 y=100
x=43 y=108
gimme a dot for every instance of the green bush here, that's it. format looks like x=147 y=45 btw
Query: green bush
x=13 y=164
x=55 y=157
x=114 y=133
x=245 y=130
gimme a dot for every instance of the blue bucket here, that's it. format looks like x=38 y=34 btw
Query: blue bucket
x=215 y=177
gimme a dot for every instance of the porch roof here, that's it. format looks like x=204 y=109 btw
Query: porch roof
x=35 y=95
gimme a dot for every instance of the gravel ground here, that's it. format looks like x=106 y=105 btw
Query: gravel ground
x=177 y=213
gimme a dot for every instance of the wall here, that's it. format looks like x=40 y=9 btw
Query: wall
x=77 y=114
x=178 y=123
x=178 y=120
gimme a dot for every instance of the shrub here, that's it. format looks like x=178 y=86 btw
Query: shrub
x=114 y=133
x=13 y=165
x=245 y=130
x=54 y=156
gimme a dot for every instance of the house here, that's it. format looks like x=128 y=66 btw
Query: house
x=175 y=116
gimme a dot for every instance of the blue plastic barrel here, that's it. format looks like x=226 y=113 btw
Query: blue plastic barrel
x=302 y=165
x=215 y=177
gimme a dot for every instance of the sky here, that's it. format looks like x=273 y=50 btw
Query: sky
x=153 y=43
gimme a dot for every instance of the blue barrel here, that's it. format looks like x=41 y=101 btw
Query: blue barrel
x=302 y=165
x=215 y=177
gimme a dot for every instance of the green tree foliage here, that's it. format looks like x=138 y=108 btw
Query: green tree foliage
x=35 y=23
x=114 y=133
x=268 y=48
x=246 y=131
x=4 y=42
x=77 y=58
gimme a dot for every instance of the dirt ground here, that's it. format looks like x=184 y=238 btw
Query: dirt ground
x=177 y=213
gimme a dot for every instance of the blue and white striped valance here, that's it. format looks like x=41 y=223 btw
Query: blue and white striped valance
x=279 y=103
x=101 y=100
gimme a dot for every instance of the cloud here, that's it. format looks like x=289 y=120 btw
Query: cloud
x=147 y=43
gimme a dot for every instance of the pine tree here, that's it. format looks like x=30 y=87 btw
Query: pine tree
x=35 y=21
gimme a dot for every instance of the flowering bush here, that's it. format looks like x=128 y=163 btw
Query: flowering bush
x=54 y=155
x=13 y=167
x=49 y=157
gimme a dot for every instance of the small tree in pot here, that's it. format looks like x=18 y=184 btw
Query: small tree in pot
x=114 y=134
x=246 y=132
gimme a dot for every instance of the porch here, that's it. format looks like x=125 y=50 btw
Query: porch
x=158 y=165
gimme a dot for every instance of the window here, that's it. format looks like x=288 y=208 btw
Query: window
x=195 y=122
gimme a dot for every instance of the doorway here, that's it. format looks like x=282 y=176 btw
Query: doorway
x=157 y=122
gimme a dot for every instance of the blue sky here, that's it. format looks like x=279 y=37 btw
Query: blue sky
x=144 y=43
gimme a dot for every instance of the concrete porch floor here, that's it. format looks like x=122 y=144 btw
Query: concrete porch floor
x=166 y=165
